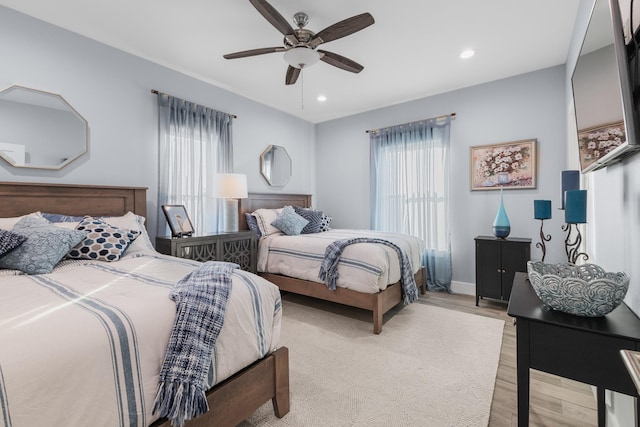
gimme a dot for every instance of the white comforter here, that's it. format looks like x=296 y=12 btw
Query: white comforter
x=83 y=345
x=364 y=267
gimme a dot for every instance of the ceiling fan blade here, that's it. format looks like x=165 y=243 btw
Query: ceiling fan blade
x=272 y=16
x=342 y=28
x=340 y=61
x=253 y=52
x=292 y=75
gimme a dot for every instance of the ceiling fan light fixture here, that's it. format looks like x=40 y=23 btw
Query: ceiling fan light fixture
x=300 y=57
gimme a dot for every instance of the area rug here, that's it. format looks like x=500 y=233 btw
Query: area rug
x=430 y=366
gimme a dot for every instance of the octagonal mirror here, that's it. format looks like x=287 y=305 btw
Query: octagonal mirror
x=275 y=165
x=40 y=129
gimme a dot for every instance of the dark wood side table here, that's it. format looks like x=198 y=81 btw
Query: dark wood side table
x=240 y=247
x=497 y=261
x=585 y=349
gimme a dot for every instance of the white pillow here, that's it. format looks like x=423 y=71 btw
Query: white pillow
x=264 y=218
x=130 y=221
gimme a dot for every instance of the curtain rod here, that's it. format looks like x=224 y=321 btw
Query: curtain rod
x=158 y=93
x=452 y=115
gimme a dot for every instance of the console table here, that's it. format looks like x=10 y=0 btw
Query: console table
x=585 y=349
x=240 y=247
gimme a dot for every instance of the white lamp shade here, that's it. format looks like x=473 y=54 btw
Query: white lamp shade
x=299 y=57
x=231 y=186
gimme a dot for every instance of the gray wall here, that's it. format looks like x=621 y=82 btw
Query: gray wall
x=112 y=90
x=522 y=107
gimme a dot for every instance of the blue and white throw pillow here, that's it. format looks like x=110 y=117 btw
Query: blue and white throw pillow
x=104 y=242
x=252 y=223
x=313 y=216
x=54 y=217
x=289 y=222
x=9 y=241
x=45 y=246
x=326 y=221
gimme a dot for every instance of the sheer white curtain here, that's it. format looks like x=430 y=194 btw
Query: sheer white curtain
x=410 y=189
x=194 y=144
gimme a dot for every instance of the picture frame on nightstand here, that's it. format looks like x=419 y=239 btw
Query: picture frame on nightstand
x=178 y=220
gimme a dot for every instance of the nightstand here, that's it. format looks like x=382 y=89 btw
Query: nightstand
x=497 y=261
x=240 y=247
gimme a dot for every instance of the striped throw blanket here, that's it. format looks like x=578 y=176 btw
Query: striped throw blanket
x=201 y=300
x=329 y=267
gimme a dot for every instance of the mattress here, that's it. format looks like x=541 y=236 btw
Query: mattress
x=363 y=267
x=83 y=345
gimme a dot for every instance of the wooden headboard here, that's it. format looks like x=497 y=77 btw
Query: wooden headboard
x=18 y=198
x=270 y=201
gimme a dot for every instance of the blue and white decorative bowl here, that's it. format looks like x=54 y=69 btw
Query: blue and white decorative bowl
x=584 y=290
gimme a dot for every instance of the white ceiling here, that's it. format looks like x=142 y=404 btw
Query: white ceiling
x=412 y=50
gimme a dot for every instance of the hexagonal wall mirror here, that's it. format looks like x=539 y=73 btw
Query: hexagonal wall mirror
x=275 y=165
x=40 y=130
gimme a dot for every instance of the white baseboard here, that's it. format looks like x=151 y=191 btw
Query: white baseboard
x=463 y=288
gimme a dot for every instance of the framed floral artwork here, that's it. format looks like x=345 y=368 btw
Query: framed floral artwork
x=510 y=165
x=596 y=142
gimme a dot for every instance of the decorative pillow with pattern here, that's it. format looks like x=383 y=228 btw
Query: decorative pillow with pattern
x=252 y=223
x=9 y=241
x=313 y=216
x=289 y=222
x=45 y=246
x=104 y=242
x=326 y=220
x=54 y=217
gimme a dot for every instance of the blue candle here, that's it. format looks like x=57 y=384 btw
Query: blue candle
x=576 y=207
x=542 y=209
x=570 y=181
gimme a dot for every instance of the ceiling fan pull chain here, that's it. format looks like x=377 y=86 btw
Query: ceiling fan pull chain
x=302 y=88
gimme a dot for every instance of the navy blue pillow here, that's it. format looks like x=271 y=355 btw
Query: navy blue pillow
x=314 y=217
x=52 y=217
x=252 y=223
x=9 y=241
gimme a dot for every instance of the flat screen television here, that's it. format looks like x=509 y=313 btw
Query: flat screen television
x=604 y=84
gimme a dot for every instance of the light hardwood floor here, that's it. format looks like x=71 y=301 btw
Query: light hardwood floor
x=554 y=401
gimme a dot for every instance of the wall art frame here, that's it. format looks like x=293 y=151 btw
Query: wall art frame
x=597 y=141
x=509 y=165
x=178 y=220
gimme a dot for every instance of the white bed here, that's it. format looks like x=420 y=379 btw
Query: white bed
x=84 y=344
x=363 y=267
x=285 y=265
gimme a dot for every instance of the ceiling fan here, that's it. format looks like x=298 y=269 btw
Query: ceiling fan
x=300 y=44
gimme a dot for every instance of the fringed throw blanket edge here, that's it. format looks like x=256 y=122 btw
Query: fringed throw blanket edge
x=329 y=268
x=201 y=298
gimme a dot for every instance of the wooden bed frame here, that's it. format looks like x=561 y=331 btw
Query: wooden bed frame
x=379 y=303
x=231 y=401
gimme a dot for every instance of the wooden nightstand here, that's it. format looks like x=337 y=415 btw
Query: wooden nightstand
x=240 y=247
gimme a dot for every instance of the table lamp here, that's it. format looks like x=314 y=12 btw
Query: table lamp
x=231 y=187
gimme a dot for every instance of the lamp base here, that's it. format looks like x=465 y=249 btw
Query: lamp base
x=230 y=216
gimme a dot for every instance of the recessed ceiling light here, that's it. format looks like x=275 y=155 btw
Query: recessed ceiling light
x=321 y=98
x=468 y=53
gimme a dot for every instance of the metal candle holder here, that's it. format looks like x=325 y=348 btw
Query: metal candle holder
x=572 y=247
x=542 y=211
x=543 y=239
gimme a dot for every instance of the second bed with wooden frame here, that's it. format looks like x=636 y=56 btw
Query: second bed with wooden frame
x=378 y=303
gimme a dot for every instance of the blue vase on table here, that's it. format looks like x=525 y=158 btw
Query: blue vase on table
x=501 y=225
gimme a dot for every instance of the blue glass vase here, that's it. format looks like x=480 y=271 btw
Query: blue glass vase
x=501 y=225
